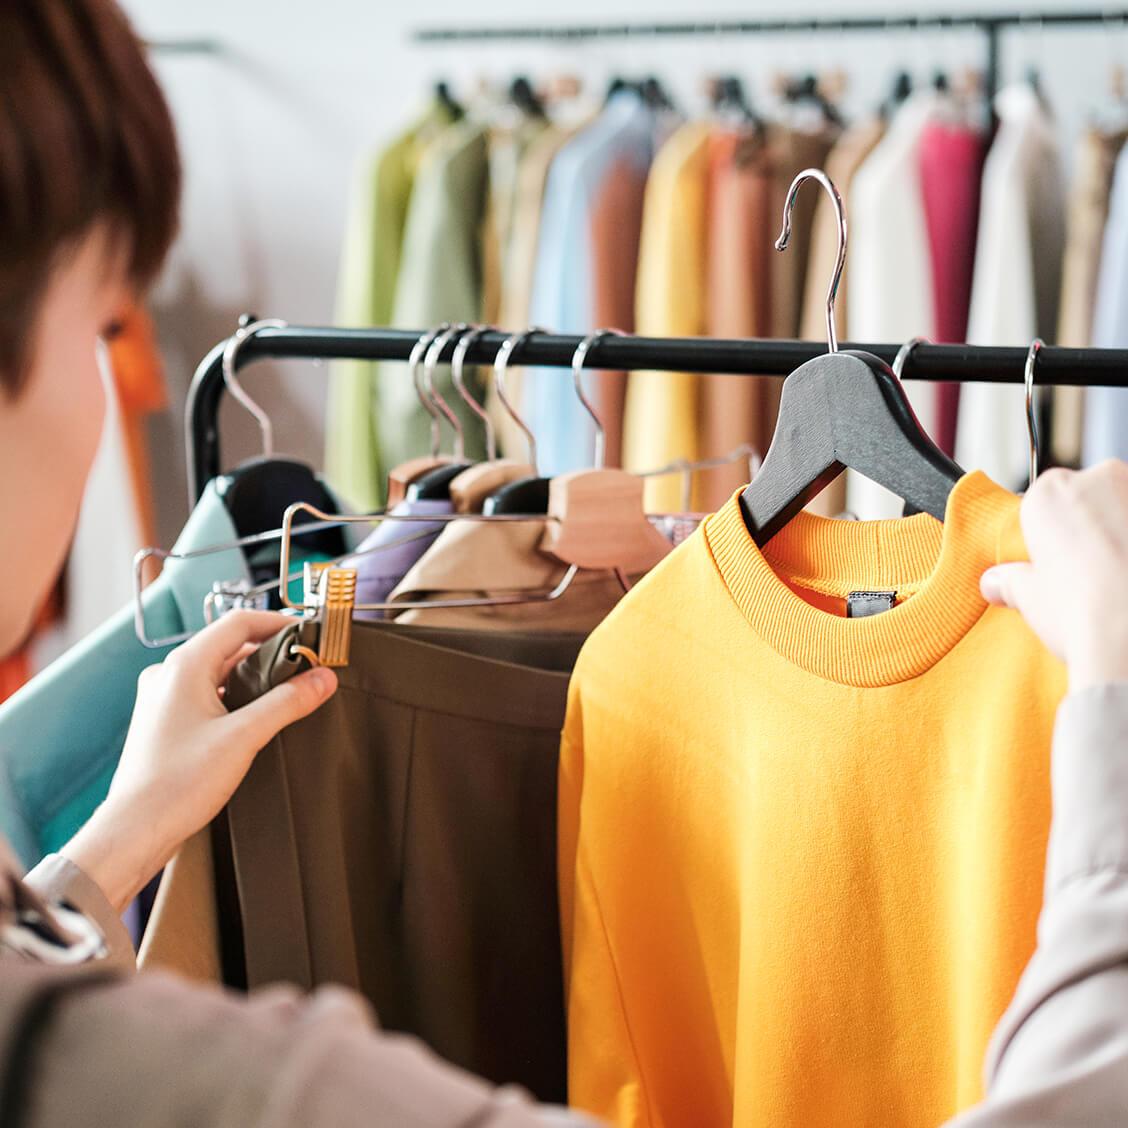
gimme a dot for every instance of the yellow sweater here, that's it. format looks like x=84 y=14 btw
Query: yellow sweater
x=801 y=855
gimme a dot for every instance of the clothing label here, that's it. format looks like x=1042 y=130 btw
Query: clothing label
x=859 y=604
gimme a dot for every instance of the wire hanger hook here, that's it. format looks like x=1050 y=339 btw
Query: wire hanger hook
x=430 y=363
x=457 y=363
x=501 y=363
x=578 y=358
x=247 y=329
x=414 y=362
x=1036 y=347
x=904 y=353
x=840 y=219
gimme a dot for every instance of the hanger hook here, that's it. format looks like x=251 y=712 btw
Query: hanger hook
x=501 y=363
x=1036 y=347
x=840 y=218
x=430 y=363
x=578 y=358
x=903 y=354
x=247 y=329
x=457 y=363
x=414 y=362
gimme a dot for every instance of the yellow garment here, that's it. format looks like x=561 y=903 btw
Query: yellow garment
x=801 y=855
x=660 y=422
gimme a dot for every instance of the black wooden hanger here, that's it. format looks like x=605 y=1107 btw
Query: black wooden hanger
x=838 y=411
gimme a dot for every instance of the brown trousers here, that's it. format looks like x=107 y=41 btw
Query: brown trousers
x=402 y=841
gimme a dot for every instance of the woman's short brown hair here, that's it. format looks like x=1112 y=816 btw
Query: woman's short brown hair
x=86 y=139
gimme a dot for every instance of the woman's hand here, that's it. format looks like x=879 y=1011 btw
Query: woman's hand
x=1074 y=590
x=185 y=754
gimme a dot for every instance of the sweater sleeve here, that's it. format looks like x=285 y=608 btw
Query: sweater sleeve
x=57 y=879
x=1060 y=1053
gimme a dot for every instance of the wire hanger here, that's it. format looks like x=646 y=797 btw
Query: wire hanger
x=401 y=476
x=842 y=410
x=1036 y=347
x=457 y=365
x=527 y=496
x=469 y=490
x=434 y=485
x=597 y=518
x=248 y=328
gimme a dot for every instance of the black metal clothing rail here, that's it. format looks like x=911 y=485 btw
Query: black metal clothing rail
x=990 y=24
x=962 y=363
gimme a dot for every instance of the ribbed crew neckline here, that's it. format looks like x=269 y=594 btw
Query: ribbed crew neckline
x=940 y=563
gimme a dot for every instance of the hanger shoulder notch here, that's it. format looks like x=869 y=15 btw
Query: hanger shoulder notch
x=596 y=519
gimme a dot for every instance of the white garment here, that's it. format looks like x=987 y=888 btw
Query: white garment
x=99 y=578
x=890 y=265
x=1106 y=409
x=1017 y=282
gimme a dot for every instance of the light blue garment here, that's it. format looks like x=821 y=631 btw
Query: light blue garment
x=562 y=297
x=61 y=735
x=393 y=549
x=1106 y=409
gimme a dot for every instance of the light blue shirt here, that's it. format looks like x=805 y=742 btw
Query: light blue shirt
x=1106 y=409
x=563 y=282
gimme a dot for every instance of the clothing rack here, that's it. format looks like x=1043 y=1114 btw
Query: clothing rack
x=991 y=25
x=956 y=363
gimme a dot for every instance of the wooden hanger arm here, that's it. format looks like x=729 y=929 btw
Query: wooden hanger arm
x=596 y=519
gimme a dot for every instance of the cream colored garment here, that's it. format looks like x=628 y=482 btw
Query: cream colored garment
x=518 y=266
x=1086 y=215
x=890 y=271
x=472 y=560
x=1017 y=281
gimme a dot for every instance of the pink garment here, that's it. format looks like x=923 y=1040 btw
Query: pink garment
x=951 y=168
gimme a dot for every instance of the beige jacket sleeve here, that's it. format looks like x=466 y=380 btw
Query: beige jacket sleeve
x=58 y=879
x=178 y=1053
x=1059 y=1056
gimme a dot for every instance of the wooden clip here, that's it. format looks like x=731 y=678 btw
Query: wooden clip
x=333 y=593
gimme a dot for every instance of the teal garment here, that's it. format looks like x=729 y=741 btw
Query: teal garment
x=370 y=261
x=61 y=735
x=440 y=279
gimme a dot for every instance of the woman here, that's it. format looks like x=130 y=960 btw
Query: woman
x=88 y=192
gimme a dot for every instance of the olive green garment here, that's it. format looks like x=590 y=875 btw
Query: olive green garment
x=440 y=279
x=370 y=261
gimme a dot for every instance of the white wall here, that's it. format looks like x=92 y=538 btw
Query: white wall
x=271 y=129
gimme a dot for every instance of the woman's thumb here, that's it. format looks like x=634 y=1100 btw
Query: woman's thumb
x=1004 y=585
x=261 y=720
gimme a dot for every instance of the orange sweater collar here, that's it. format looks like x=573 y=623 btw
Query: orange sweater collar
x=937 y=565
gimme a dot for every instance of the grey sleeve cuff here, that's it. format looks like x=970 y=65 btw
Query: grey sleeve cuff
x=58 y=879
x=1090 y=786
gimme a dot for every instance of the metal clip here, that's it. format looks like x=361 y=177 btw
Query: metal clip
x=333 y=592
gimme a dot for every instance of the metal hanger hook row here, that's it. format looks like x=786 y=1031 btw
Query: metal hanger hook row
x=840 y=221
x=235 y=342
x=578 y=359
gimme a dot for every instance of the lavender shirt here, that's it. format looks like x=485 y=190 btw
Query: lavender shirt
x=378 y=571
